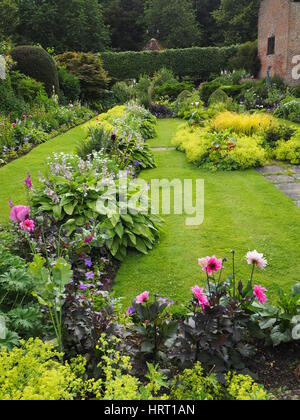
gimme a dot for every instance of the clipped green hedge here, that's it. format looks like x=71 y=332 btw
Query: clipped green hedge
x=196 y=63
x=36 y=63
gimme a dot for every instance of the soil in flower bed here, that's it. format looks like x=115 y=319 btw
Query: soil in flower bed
x=278 y=369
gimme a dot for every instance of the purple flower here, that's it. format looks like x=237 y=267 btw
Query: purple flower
x=90 y=275
x=105 y=260
x=88 y=262
x=85 y=287
x=28 y=182
x=131 y=311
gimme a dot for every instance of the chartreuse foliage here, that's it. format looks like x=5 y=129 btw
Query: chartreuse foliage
x=220 y=150
x=33 y=372
x=247 y=124
x=289 y=150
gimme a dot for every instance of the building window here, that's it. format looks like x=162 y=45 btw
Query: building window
x=271 y=45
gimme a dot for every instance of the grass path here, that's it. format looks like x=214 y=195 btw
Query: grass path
x=243 y=211
x=12 y=176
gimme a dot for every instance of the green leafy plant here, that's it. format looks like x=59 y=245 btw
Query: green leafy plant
x=50 y=289
x=277 y=321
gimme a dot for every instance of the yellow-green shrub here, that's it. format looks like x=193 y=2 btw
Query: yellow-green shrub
x=33 y=372
x=223 y=150
x=192 y=384
x=289 y=150
x=243 y=123
x=243 y=388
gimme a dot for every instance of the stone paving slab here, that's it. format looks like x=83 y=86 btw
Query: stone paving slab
x=285 y=179
x=280 y=179
x=291 y=190
x=270 y=169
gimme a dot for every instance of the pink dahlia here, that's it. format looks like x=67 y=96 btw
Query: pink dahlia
x=202 y=298
x=27 y=225
x=259 y=293
x=19 y=214
x=253 y=257
x=144 y=297
x=211 y=264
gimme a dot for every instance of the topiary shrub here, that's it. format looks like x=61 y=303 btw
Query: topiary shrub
x=206 y=89
x=89 y=69
x=35 y=62
x=218 y=96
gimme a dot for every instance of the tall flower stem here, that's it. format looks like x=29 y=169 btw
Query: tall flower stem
x=252 y=274
x=233 y=275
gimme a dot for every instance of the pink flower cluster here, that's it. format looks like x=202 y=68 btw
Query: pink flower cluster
x=27 y=225
x=20 y=214
x=211 y=264
x=201 y=297
x=144 y=297
x=259 y=293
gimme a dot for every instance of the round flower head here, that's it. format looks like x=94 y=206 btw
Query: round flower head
x=19 y=214
x=253 y=257
x=259 y=293
x=211 y=264
x=27 y=225
x=201 y=297
x=144 y=297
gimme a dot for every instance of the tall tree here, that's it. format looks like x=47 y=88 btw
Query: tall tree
x=125 y=19
x=9 y=18
x=63 y=24
x=172 y=22
x=204 y=9
x=237 y=20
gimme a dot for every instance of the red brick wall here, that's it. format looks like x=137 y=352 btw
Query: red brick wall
x=279 y=18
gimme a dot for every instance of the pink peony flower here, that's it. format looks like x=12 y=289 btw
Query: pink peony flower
x=14 y=125
x=28 y=182
x=144 y=297
x=19 y=214
x=253 y=257
x=202 y=298
x=259 y=293
x=27 y=225
x=211 y=264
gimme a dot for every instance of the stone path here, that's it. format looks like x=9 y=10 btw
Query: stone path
x=162 y=149
x=286 y=179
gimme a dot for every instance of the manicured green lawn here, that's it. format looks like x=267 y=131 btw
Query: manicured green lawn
x=165 y=134
x=12 y=176
x=243 y=211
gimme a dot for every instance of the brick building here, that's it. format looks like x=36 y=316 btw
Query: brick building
x=279 y=39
